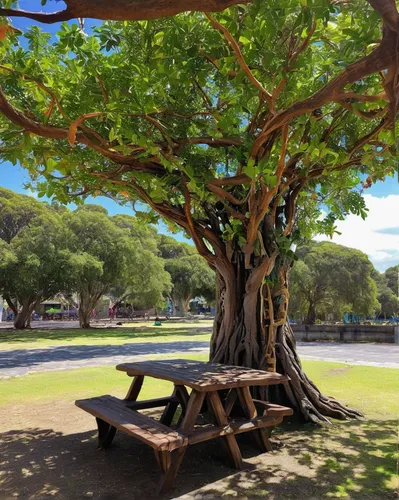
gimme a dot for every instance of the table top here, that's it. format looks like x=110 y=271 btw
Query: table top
x=202 y=376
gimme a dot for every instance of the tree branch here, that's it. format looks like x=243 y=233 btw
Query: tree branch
x=123 y=10
x=240 y=58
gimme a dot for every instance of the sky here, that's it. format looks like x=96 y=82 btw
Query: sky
x=377 y=236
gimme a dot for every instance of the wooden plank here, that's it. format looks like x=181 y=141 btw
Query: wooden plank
x=116 y=413
x=237 y=426
x=170 y=410
x=230 y=401
x=250 y=411
x=229 y=439
x=168 y=476
x=273 y=409
x=145 y=404
x=202 y=376
x=135 y=388
x=193 y=409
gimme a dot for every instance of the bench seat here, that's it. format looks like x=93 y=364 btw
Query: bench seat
x=272 y=410
x=115 y=412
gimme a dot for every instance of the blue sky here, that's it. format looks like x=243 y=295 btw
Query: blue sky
x=378 y=236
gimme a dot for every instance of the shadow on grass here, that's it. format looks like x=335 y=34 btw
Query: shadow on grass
x=351 y=460
x=67 y=334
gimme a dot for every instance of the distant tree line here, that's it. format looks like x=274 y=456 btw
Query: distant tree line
x=329 y=280
x=46 y=249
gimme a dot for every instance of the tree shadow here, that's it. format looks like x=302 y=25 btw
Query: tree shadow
x=40 y=463
x=356 y=460
x=21 y=361
x=351 y=460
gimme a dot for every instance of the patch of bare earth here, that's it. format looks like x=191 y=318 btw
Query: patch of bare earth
x=49 y=450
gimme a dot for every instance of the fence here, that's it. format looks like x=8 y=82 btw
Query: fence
x=347 y=333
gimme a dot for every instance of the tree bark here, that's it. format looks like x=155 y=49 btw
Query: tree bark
x=134 y=10
x=251 y=329
x=87 y=304
x=311 y=316
x=23 y=317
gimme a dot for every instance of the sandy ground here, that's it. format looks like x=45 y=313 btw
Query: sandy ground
x=49 y=450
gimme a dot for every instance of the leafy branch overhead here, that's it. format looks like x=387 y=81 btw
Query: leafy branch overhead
x=219 y=123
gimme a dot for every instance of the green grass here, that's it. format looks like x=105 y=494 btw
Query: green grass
x=140 y=332
x=373 y=391
x=69 y=385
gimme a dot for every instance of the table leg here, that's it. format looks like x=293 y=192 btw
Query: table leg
x=193 y=409
x=135 y=388
x=248 y=405
x=169 y=462
x=221 y=419
x=170 y=410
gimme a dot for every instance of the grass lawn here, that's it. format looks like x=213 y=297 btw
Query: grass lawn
x=129 y=332
x=355 y=459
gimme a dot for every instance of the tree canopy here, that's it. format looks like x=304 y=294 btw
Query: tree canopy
x=194 y=112
x=330 y=280
x=36 y=261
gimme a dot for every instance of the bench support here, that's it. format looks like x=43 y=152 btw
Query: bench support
x=248 y=405
x=169 y=463
x=106 y=434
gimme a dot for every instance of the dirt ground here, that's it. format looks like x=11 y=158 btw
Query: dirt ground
x=49 y=450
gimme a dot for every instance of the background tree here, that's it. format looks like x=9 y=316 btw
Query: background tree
x=392 y=278
x=388 y=299
x=38 y=267
x=234 y=129
x=16 y=212
x=151 y=283
x=191 y=276
x=107 y=257
x=331 y=279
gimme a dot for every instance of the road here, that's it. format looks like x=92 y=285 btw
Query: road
x=19 y=362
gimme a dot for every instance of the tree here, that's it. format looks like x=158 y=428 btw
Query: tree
x=16 y=212
x=234 y=128
x=392 y=278
x=332 y=279
x=36 y=267
x=191 y=276
x=389 y=301
x=151 y=283
x=107 y=257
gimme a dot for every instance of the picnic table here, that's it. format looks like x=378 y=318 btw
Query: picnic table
x=215 y=387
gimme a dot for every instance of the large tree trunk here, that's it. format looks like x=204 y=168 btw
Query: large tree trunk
x=311 y=316
x=251 y=329
x=23 y=317
x=87 y=304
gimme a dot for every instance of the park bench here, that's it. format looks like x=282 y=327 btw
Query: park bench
x=168 y=441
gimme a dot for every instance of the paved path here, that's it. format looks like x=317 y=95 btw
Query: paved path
x=385 y=355
x=22 y=361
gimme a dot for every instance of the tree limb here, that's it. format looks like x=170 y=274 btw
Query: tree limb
x=123 y=10
x=240 y=58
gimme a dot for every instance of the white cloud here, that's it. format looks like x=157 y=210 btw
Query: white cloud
x=378 y=235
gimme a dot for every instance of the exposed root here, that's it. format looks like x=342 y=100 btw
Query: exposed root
x=305 y=398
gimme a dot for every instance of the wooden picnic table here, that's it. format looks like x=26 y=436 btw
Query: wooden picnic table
x=216 y=387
